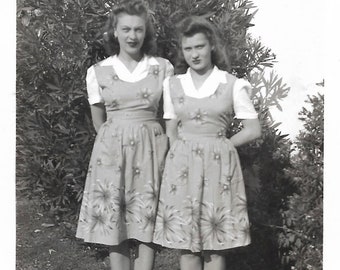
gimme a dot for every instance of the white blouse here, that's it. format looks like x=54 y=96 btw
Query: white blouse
x=243 y=107
x=94 y=91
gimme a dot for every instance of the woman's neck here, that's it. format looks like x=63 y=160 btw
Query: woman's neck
x=198 y=78
x=130 y=57
x=130 y=61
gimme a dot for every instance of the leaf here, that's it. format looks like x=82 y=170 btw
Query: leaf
x=51 y=250
x=47 y=225
x=274 y=126
x=52 y=86
x=278 y=106
x=25 y=20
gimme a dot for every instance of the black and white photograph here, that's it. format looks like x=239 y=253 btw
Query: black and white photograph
x=170 y=135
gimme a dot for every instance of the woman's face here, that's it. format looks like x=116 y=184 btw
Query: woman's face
x=130 y=32
x=197 y=52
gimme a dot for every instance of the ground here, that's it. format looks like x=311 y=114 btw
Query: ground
x=44 y=243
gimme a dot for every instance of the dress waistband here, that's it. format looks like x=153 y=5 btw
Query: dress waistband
x=137 y=116
x=194 y=136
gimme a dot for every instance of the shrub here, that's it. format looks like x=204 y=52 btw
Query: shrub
x=303 y=220
x=56 y=43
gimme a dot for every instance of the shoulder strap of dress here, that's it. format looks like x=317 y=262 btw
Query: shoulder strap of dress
x=175 y=86
x=159 y=70
x=105 y=75
x=109 y=69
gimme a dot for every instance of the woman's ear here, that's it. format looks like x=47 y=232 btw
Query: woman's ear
x=115 y=33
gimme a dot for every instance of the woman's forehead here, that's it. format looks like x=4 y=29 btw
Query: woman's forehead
x=130 y=20
x=194 y=39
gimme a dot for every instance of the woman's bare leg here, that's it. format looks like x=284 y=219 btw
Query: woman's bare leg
x=214 y=261
x=190 y=261
x=145 y=257
x=120 y=256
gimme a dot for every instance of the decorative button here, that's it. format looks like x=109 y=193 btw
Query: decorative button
x=173 y=189
x=136 y=171
x=114 y=103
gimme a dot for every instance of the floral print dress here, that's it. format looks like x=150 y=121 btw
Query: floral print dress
x=202 y=199
x=122 y=185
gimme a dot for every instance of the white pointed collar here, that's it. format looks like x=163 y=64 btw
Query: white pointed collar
x=209 y=86
x=140 y=72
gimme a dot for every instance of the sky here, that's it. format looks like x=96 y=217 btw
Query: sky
x=294 y=31
x=302 y=34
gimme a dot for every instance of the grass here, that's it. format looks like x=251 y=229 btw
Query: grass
x=43 y=243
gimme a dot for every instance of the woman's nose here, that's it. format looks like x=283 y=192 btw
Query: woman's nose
x=194 y=54
x=132 y=35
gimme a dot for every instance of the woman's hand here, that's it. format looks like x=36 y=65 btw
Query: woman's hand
x=98 y=115
x=251 y=130
x=171 y=129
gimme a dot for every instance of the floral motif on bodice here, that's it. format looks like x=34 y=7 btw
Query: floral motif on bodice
x=210 y=115
x=126 y=96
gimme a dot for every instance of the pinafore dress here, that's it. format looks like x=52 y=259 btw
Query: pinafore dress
x=122 y=185
x=202 y=198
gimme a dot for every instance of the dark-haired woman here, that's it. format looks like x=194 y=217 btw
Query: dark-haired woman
x=122 y=185
x=202 y=208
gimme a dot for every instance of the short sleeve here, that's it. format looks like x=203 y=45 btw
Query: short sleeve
x=168 y=107
x=243 y=106
x=169 y=69
x=94 y=91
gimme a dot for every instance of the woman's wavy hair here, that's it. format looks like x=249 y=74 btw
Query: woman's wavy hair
x=135 y=7
x=194 y=25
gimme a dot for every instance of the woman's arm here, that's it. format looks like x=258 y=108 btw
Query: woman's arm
x=171 y=129
x=250 y=131
x=98 y=115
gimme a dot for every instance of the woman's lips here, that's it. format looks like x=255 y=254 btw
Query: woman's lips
x=132 y=44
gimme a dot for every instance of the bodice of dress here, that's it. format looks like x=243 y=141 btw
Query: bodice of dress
x=203 y=117
x=131 y=100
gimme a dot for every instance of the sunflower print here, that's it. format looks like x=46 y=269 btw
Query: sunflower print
x=169 y=224
x=204 y=204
